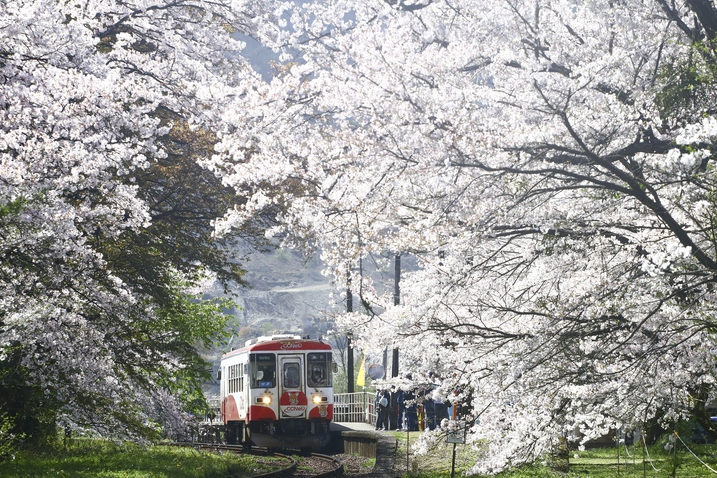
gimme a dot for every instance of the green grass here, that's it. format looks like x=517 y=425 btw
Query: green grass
x=369 y=463
x=594 y=463
x=101 y=459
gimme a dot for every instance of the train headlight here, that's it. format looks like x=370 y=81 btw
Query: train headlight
x=316 y=399
x=266 y=400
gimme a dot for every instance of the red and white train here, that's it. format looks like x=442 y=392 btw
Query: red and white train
x=277 y=392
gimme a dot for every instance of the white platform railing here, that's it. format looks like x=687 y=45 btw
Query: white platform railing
x=354 y=407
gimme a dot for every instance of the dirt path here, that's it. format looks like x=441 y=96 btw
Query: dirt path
x=386 y=457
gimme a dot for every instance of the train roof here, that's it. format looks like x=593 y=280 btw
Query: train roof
x=282 y=342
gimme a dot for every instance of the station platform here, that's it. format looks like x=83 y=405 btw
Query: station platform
x=352 y=426
x=363 y=439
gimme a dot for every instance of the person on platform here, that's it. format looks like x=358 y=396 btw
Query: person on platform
x=409 y=400
x=400 y=409
x=382 y=400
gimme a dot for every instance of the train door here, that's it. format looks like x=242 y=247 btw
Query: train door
x=292 y=401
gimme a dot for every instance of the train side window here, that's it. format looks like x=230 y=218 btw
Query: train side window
x=234 y=379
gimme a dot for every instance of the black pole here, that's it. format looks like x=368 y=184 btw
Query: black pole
x=408 y=446
x=453 y=462
x=349 y=341
x=397 y=280
x=394 y=363
x=349 y=295
x=350 y=362
x=617 y=439
x=396 y=301
x=385 y=362
x=644 y=465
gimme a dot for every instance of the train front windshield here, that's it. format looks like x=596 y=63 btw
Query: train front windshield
x=318 y=369
x=263 y=370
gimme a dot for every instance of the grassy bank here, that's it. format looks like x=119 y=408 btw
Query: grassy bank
x=632 y=462
x=101 y=459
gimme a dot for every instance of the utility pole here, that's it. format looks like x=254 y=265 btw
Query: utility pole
x=396 y=301
x=350 y=341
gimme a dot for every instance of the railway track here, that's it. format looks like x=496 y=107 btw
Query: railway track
x=314 y=465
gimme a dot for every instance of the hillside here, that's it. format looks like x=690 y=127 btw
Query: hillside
x=287 y=294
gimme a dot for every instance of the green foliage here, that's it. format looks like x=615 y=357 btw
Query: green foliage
x=174 y=253
x=340 y=382
x=184 y=199
x=12 y=207
x=267 y=328
x=26 y=411
x=341 y=378
x=688 y=86
x=194 y=322
x=8 y=439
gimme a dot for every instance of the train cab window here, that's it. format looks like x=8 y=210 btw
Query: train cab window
x=262 y=368
x=319 y=369
x=292 y=376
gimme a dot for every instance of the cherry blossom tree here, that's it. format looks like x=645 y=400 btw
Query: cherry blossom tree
x=549 y=164
x=105 y=216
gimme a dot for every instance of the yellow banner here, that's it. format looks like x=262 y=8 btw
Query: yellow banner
x=361 y=380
